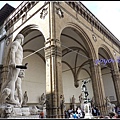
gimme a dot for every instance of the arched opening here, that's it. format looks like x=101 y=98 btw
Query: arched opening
x=34 y=82
x=106 y=62
x=76 y=58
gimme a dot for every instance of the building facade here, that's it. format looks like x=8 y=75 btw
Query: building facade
x=64 y=44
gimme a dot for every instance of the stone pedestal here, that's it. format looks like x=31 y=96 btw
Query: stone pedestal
x=17 y=112
x=7 y=110
x=25 y=111
x=44 y=111
x=88 y=110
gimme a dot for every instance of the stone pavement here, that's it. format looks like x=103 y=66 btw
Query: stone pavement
x=25 y=117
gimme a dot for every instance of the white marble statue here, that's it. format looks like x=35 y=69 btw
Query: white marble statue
x=110 y=106
x=80 y=98
x=34 y=110
x=62 y=102
x=84 y=88
x=18 y=85
x=42 y=99
x=16 y=58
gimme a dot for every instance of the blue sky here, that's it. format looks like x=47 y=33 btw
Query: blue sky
x=108 y=12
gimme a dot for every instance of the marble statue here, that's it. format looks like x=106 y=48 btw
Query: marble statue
x=107 y=100
x=84 y=89
x=18 y=85
x=80 y=98
x=34 y=110
x=16 y=58
x=93 y=101
x=73 y=100
x=42 y=99
x=62 y=104
x=62 y=101
x=25 y=99
x=110 y=106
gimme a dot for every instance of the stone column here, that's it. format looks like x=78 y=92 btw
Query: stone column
x=116 y=82
x=98 y=89
x=54 y=88
x=1 y=67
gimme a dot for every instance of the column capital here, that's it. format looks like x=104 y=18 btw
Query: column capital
x=115 y=72
x=115 y=75
x=53 y=48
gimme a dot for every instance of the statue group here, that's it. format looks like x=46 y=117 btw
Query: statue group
x=109 y=105
x=15 y=75
x=84 y=89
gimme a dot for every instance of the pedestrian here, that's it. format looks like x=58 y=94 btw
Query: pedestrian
x=41 y=115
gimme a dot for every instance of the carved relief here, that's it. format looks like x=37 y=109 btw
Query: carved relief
x=44 y=13
x=59 y=12
x=114 y=52
x=24 y=17
x=94 y=37
x=8 y=42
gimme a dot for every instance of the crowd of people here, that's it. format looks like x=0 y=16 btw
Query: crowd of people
x=71 y=113
x=79 y=113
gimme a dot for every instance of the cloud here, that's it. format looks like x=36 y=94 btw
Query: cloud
x=108 y=12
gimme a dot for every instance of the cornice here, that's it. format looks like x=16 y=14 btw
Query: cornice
x=77 y=6
x=24 y=7
x=89 y=17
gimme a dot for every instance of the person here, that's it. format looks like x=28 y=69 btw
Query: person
x=66 y=114
x=95 y=111
x=75 y=115
x=41 y=115
x=25 y=99
x=16 y=58
x=80 y=112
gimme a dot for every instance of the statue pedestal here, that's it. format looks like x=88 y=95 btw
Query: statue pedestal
x=25 y=111
x=17 y=112
x=8 y=110
x=44 y=111
x=88 y=110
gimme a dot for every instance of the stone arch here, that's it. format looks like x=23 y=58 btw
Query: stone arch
x=32 y=43
x=112 y=69
x=25 y=31
x=87 y=41
x=84 y=35
x=109 y=55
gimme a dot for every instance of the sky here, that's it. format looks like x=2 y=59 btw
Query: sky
x=108 y=12
x=14 y=4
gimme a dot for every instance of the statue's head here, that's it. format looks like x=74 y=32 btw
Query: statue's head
x=21 y=73
x=21 y=37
